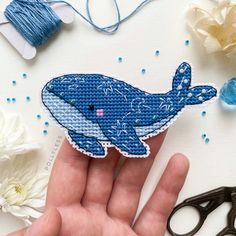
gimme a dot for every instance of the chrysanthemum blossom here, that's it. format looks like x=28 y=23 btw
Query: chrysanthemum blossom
x=216 y=29
x=14 y=137
x=22 y=190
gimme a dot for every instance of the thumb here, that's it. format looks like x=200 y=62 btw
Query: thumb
x=49 y=224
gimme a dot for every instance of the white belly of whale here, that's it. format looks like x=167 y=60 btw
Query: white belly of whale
x=70 y=118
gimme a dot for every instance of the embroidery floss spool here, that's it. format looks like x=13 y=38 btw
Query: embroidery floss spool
x=29 y=24
x=35 y=21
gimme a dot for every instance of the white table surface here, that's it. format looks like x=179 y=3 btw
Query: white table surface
x=160 y=26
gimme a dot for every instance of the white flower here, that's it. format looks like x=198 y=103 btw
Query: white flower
x=13 y=137
x=22 y=190
x=215 y=29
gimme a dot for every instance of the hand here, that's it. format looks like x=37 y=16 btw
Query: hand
x=86 y=198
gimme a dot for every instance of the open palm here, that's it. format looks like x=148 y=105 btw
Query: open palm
x=89 y=197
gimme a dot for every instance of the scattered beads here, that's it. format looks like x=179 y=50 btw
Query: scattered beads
x=120 y=59
x=143 y=71
x=204 y=137
x=46 y=123
x=8 y=100
x=13 y=82
x=13 y=100
x=157 y=53
x=45 y=132
x=200 y=98
x=38 y=116
x=179 y=87
x=207 y=140
x=28 y=98
x=187 y=42
x=204 y=113
x=24 y=75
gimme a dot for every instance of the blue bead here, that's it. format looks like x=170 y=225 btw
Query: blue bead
x=207 y=140
x=24 y=75
x=228 y=92
x=38 y=116
x=45 y=132
x=143 y=71
x=204 y=113
x=203 y=136
x=13 y=99
x=13 y=82
x=46 y=123
x=187 y=42
x=120 y=59
x=28 y=98
x=8 y=100
x=157 y=53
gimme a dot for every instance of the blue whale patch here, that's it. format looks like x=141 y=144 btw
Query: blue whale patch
x=99 y=111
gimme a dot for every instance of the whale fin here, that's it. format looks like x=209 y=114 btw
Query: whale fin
x=200 y=94
x=187 y=95
x=88 y=144
x=182 y=78
x=124 y=137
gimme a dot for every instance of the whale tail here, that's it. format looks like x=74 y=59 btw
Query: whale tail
x=195 y=95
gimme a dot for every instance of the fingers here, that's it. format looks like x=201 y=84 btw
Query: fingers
x=18 y=233
x=153 y=218
x=47 y=225
x=100 y=179
x=68 y=178
x=125 y=197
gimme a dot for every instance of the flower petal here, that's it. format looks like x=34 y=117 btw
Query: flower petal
x=216 y=29
x=35 y=203
x=212 y=45
x=31 y=212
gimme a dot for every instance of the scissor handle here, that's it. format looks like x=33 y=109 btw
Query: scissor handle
x=230 y=228
x=213 y=199
x=202 y=217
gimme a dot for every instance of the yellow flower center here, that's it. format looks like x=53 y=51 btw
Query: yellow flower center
x=19 y=188
x=16 y=192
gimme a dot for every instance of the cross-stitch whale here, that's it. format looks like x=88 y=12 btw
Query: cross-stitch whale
x=99 y=111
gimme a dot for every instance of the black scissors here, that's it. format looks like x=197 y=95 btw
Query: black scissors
x=213 y=199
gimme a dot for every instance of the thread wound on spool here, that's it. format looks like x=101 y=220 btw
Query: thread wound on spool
x=35 y=20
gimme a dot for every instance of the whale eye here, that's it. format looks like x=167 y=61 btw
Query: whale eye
x=91 y=107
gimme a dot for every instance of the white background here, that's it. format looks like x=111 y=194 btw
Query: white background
x=160 y=26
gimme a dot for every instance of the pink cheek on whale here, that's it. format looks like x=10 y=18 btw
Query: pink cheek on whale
x=100 y=112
